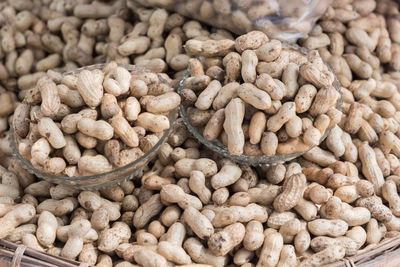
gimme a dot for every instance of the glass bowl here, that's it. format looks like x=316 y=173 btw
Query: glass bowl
x=99 y=181
x=261 y=161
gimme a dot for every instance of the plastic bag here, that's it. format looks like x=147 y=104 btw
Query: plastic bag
x=281 y=19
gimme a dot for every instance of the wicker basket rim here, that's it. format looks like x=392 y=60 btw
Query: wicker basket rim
x=19 y=255
x=382 y=254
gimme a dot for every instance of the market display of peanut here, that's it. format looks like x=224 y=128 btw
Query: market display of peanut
x=191 y=207
x=107 y=125
x=267 y=99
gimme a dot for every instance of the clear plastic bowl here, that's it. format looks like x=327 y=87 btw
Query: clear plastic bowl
x=99 y=181
x=261 y=161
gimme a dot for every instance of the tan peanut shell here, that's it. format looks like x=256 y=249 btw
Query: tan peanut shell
x=292 y=192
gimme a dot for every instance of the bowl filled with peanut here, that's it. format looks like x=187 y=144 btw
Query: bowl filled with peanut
x=264 y=101
x=93 y=127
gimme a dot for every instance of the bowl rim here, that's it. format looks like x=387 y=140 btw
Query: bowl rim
x=263 y=160
x=74 y=181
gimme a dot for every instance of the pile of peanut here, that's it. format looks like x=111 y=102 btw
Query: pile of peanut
x=191 y=208
x=285 y=103
x=277 y=18
x=94 y=121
